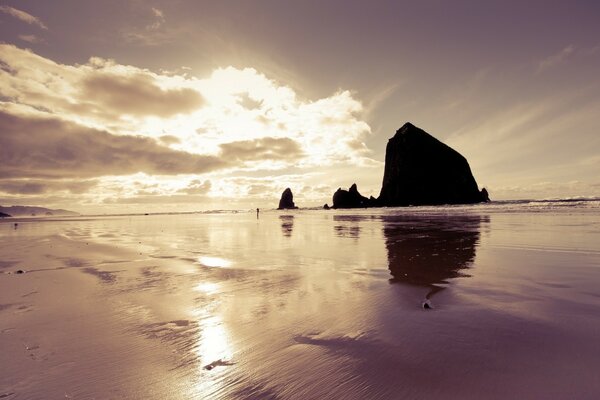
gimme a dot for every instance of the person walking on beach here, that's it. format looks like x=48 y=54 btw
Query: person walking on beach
x=257 y=211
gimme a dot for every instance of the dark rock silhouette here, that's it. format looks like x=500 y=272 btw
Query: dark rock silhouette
x=3 y=215
x=421 y=170
x=326 y=206
x=484 y=195
x=352 y=199
x=287 y=200
x=429 y=250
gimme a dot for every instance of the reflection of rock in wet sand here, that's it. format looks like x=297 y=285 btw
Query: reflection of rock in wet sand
x=348 y=225
x=429 y=250
x=287 y=224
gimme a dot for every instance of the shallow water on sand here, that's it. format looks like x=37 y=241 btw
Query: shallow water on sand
x=303 y=305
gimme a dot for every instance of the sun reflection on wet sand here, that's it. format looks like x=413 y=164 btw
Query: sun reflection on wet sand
x=214 y=351
x=207 y=287
x=214 y=341
x=214 y=262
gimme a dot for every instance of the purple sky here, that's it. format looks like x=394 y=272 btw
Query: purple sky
x=260 y=95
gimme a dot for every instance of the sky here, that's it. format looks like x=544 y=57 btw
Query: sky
x=148 y=106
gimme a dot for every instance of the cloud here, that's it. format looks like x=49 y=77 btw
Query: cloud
x=231 y=105
x=109 y=121
x=43 y=147
x=96 y=93
x=139 y=95
x=154 y=31
x=149 y=199
x=266 y=148
x=158 y=13
x=169 y=139
x=30 y=39
x=247 y=102
x=555 y=59
x=34 y=187
x=254 y=190
x=23 y=16
x=197 y=187
x=159 y=19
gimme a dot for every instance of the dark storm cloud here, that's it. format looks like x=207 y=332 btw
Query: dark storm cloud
x=266 y=148
x=51 y=148
x=138 y=95
x=32 y=187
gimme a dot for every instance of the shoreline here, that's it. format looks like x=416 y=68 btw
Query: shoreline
x=502 y=206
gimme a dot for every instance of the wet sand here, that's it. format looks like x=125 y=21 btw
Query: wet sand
x=303 y=305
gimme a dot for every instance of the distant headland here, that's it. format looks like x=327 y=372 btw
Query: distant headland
x=34 y=211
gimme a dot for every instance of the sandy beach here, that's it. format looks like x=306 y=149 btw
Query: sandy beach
x=304 y=304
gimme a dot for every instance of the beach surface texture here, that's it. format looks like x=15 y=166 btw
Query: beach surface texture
x=487 y=301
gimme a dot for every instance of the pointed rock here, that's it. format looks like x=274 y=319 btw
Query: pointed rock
x=421 y=170
x=287 y=200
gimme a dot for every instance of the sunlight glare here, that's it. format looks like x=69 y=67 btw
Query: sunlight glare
x=214 y=262
x=207 y=287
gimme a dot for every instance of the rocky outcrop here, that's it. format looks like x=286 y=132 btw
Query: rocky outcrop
x=287 y=200
x=351 y=198
x=421 y=170
x=485 y=197
x=3 y=215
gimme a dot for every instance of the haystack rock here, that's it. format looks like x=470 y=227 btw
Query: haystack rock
x=421 y=170
x=352 y=199
x=287 y=200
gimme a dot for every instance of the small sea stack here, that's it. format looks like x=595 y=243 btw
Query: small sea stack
x=287 y=200
x=351 y=198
